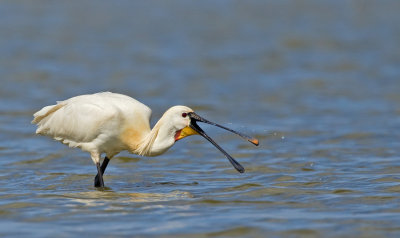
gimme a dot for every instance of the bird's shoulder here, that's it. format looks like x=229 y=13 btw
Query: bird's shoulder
x=108 y=104
x=126 y=103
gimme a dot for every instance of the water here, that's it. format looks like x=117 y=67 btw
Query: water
x=317 y=82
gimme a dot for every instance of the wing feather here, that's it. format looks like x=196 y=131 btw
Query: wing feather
x=83 y=118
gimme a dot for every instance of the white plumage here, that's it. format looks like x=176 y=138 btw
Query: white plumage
x=107 y=123
x=98 y=123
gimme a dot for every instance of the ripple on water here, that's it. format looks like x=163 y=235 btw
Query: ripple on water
x=94 y=197
x=328 y=161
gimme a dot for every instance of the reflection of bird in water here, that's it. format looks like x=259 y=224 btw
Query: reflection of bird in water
x=109 y=123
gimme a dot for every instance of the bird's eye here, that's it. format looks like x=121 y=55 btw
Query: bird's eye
x=184 y=114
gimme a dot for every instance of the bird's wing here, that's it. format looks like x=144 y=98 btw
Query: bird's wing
x=75 y=122
x=83 y=118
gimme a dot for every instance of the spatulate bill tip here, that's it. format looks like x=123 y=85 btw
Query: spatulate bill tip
x=254 y=141
x=239 y=168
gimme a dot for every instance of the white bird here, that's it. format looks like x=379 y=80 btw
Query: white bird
x=107 y=123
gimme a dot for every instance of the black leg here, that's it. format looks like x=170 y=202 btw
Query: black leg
x=98 y=180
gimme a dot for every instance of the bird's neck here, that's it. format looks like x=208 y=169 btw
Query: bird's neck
x=157 y=141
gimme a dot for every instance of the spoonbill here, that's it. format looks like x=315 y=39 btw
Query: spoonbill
x=108 y=123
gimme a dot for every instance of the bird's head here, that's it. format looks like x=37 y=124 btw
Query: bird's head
x=179 y=122
x=184 y=120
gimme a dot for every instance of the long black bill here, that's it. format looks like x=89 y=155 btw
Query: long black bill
x=194 y=118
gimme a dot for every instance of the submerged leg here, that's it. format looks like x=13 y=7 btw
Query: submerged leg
x=100 y=180
x=97 y=182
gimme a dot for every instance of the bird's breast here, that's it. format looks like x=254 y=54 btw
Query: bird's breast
x=131 y=137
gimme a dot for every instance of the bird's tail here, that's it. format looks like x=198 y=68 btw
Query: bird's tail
x=44 y=112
